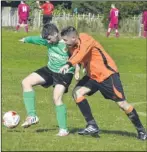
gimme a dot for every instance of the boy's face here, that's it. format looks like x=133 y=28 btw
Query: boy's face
x=70 y=40
x=52 y=39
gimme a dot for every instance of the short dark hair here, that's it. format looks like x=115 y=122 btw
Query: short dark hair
x=49 y=29
x=68 y=30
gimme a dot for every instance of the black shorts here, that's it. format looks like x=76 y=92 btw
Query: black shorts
x=111 y=88
x=53 y=78
x=47 y=19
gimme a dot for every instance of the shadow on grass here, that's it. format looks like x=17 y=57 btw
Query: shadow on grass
x=114 y=132
x=38 y=130
x=45 y=130
x=118 y=132
x=14 y=130
x=75 y=130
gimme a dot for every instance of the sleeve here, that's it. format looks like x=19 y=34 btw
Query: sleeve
x=84 y=49
x=36 y=40
x=42 y=6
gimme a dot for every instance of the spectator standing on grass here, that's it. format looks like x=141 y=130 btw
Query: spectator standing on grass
x=113 y=20
x=102 y=75
x=48 y=9
x=23 y=15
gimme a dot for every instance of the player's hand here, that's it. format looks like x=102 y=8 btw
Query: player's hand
x=77 y=76
x=22 y=40
x=64 y=69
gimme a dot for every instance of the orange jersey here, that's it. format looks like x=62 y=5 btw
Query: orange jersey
x=91 y=54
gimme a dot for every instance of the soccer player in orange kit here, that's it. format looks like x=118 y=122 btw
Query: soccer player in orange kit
x=102 y=75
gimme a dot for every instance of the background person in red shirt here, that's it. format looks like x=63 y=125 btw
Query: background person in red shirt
x=23 y=15
x=144 y=22
x=48 y=9
x=113 y=20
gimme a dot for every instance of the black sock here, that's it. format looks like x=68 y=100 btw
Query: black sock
x=86 y=110
x=133 y=116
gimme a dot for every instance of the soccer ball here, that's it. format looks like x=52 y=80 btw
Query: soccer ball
x=11 y=119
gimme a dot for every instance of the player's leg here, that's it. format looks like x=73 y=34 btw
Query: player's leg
x=39 y=77
x=84 y=87
x=128 y=108
x=45 y=19
x=145 y=34
x=28 y=91
x=116 y=30
x=111 y=88
x=61 y=83
x=26 y=25
x=61 y=112
x=18 y=26
x=29 y=97
x=134 y=118
x=49 y=19
x=19 y=23
x=109 y=29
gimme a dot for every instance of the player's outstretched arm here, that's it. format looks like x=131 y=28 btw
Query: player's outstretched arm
x=34 y=40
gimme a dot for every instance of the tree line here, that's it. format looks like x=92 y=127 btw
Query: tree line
x=127 y=9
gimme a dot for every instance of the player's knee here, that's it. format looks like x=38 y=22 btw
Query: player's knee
x=77 y=92
x=74 y=94
x=124 y=105
x=57 y=100
x=25 y=83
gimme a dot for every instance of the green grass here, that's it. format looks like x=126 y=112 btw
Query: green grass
x=117 y=133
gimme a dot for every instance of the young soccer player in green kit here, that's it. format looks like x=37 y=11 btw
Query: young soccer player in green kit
x=48 y=76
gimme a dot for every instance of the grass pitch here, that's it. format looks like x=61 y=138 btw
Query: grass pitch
x=117 y=133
